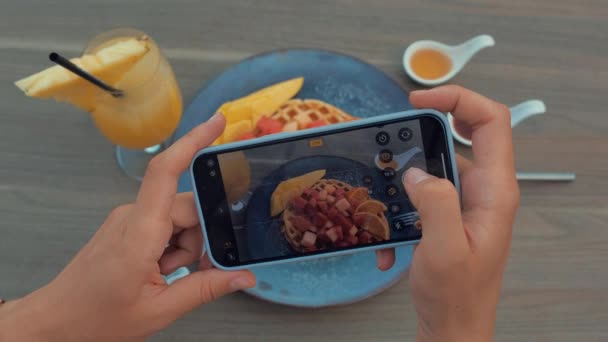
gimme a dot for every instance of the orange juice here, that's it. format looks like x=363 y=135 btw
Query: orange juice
x=430 y=64
x=151 y=108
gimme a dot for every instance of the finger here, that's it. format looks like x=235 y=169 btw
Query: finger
x=203 y=287
x=159 y=186
x=185 y=251
x=205 y=263
x=436 y=201
x=183 y=211
x=463 y=164
x=490 y=122
x=385 y=259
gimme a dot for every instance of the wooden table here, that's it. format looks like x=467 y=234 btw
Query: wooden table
x=58 y=177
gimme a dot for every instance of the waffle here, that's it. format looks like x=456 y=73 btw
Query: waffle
x=294 y=236
x=304 y=112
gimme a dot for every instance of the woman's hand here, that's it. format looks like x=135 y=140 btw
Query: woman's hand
x=457 y=268
x=113 y=290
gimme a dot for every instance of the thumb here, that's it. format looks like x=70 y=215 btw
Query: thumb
x=437 y=202
x=203 y=287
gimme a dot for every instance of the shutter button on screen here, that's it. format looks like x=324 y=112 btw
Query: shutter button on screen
x=382 y=138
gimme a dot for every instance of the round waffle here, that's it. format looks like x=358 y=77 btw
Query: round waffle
x=303 y=112
x=294 y=236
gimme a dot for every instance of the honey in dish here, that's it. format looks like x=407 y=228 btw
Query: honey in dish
x=430 y=64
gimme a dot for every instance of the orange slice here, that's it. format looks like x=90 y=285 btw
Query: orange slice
x=371 y=206
x=109 y=64
x=360 y=194
x=373 y=224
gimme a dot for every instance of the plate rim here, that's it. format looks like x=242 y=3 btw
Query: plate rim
x=214 y=78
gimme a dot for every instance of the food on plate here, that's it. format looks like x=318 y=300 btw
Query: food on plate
x=109 y=64
x=324 y=215
x=272 y=110
x=309 y=113
x=256 y=105
x=371 y=206
x=291 y=187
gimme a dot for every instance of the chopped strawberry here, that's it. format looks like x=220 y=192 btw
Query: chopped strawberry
x=353 y=240
x=323 y=195
x=339 y=232
x=322 y=235
x=323 y=206
x=307 y=192
x=246 y=136
x=343 y=221
x=329 y=224
x=298 y=203
x=340 y=192
x=319 y=220
x=360 y=220
x=330 y=189
x=353 y=230
x=333 y=214
x=345 y=230
x=312 y=202
x=268 y=126
x=310 y=211
x=314 y=194
x=342 y=244
x=342 y=204
x=312 y=248
x=309 y=239
x=301 y=223
x=332 y=233
x=365 y=237
x=317 y=123
x=331 y=199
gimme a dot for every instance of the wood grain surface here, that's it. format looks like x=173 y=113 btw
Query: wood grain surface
x=58 y=177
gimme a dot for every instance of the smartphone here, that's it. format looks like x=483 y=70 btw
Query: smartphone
x=320 y=192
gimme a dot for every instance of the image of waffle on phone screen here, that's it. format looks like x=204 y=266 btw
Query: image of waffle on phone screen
x=323 y=192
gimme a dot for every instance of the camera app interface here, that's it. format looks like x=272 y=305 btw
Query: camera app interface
x=321 y=194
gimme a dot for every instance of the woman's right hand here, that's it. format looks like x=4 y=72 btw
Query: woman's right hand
x=457 y=268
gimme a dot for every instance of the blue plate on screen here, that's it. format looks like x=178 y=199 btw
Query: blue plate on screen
x=350 y=84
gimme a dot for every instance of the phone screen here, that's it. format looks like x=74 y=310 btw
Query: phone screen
x=318 y=193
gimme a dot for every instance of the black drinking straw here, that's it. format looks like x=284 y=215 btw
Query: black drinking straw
x=64 y=62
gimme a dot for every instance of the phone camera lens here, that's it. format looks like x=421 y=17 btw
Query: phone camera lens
x=210 y=163
x=212 y=173
x=382 y=138
x=405 y=134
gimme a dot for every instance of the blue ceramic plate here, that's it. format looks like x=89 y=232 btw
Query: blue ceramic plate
x=350 y=84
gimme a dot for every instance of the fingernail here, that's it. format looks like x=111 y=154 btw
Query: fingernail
x=216 y=116
x=415 y=175
x=240 y=283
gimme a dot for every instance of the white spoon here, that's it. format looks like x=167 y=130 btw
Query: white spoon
x=459 y=55
x=519 y=113
x=400 y=160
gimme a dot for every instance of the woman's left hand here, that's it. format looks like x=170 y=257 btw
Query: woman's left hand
x=114 y=290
